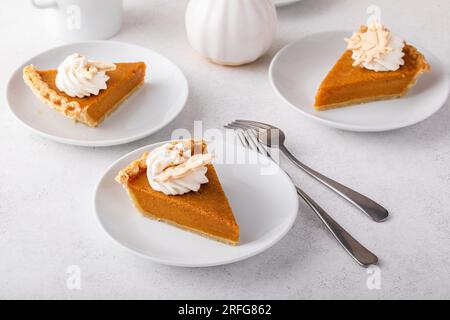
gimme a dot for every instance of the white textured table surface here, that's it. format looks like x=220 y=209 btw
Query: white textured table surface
x=47 y=221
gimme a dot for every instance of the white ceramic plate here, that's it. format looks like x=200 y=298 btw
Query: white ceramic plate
x=298 y=69
x=153 y=106
x=265 y=207
x=282 y=3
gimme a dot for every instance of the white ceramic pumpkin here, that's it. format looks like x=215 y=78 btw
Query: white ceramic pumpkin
x=231 y=32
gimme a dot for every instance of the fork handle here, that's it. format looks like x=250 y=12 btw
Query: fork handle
x=366 y=205
x=355 y=249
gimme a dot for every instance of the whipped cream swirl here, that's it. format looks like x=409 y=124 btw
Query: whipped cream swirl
x=172 y=169
x=79 y=77
x=377 y=48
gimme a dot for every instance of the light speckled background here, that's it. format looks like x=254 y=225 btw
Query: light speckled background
x=47 y=221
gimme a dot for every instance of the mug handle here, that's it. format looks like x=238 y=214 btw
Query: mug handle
x=45 y=5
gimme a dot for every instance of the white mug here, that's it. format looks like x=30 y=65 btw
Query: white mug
x=76 y=20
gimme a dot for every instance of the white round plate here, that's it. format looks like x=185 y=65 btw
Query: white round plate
x=282 y=3
x=298 y=69
x=153 y=106
x=265 y=207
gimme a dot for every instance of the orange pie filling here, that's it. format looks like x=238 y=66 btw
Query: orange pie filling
x=206 y=211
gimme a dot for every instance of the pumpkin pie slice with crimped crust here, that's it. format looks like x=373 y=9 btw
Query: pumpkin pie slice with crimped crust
x=206 y=212
x=90 y=110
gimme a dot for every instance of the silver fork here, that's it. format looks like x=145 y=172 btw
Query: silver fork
x=274 y=137
x=356 y=250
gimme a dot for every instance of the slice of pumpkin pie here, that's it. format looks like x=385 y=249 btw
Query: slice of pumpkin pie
x=377 y=65
x=177 y=184
x=84 y=90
